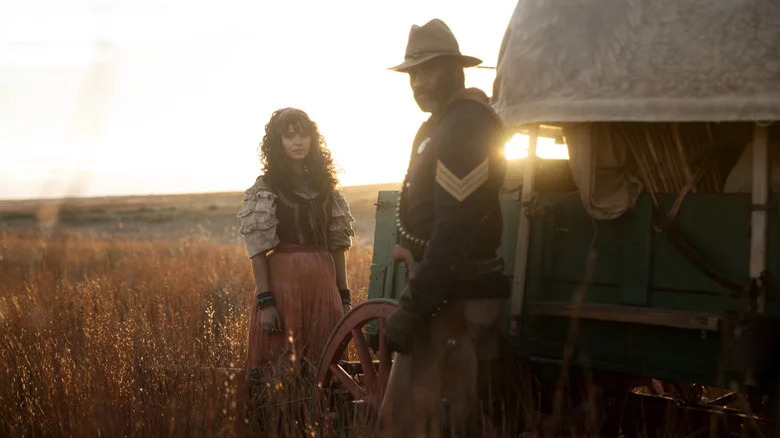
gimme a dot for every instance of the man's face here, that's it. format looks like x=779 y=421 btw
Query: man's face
x=431 y=83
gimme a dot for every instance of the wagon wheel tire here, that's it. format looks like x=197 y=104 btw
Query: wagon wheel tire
x=330 y=372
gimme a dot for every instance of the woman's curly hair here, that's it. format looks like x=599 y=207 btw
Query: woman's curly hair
x=278 y=173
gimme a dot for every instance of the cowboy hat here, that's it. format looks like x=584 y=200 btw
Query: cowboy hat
x=431 y=40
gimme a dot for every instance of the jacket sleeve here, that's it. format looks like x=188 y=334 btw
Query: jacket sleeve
x=258 y=219
x=467 y=157
x=341 y=231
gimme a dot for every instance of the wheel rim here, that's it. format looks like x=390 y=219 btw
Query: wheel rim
x=330 y=373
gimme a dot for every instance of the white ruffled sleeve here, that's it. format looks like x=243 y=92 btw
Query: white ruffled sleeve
x=341 y=231
x=258 y=219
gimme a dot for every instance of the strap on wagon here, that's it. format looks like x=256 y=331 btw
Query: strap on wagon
x=661 y=220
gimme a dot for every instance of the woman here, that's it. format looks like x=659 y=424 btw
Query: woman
x=296 y=227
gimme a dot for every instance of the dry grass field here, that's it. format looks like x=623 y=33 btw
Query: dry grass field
x=128 y=317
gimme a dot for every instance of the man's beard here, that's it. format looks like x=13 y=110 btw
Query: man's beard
x=430 y=100
x=426 y=103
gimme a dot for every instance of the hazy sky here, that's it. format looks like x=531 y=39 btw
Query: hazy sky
x=165 y=96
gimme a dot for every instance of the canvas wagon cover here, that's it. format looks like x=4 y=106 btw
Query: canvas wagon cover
x=640 y=60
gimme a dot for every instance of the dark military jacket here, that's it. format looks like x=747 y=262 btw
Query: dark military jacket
x=449 y=211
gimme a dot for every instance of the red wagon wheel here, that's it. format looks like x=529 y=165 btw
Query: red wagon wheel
x=368 y=378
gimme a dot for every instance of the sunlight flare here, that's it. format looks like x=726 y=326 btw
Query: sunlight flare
x=546 y=147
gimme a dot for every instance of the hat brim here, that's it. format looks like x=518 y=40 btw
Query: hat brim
x=467 y=61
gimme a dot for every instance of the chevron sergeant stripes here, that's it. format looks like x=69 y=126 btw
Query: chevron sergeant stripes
x=461 y=188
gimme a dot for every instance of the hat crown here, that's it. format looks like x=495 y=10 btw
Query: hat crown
x=429 y=41
x=434 y=37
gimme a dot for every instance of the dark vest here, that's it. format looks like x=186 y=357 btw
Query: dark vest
x=303 y=221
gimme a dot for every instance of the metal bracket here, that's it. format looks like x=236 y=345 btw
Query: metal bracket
x=762 y=207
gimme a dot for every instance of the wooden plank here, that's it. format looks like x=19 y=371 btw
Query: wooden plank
x=635 y=254
x=629 y=314
x=510 y=209
x=760 y=210
x=523 y=233
x=382 y=265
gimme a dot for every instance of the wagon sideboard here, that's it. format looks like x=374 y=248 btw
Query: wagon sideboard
x=620 y=297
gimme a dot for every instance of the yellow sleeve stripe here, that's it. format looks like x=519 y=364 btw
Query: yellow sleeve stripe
x=461 y=188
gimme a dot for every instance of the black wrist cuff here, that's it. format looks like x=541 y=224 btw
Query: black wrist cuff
x=265 y=300
x=346 y=296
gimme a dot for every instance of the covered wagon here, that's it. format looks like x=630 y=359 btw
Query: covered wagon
x=651 y=251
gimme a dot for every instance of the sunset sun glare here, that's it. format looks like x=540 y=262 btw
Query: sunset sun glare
x=546 y=147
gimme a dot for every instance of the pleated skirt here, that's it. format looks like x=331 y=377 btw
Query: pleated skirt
x=303 y=282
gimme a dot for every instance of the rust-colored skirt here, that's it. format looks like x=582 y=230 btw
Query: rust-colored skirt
x=303 y=281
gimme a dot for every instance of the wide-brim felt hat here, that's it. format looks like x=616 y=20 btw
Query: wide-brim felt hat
x=432 y=40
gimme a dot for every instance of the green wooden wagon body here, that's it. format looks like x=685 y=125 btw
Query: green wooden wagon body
x=619 y=293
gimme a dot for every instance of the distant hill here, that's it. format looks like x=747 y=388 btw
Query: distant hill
x=212 y=215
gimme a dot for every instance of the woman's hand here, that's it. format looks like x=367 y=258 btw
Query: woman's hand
x=270 y=320
x=346 y=308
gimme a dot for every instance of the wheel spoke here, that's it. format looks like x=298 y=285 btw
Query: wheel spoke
x=385 y=360
x=344 y=378
x=367 y=365
x=371 y=387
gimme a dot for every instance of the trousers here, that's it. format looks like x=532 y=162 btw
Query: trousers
x=444 y=385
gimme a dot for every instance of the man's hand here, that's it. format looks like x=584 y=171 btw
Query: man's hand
x=270 y=320
x=401 y=327
x=401 y=254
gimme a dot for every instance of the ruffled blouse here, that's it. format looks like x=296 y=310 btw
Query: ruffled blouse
x=270 y=217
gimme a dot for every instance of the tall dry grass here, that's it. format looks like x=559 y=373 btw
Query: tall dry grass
x=113 y=337
x=121 y=337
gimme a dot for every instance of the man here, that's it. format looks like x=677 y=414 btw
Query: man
x=447 y=329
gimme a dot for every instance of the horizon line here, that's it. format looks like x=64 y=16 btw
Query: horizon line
x=131 y=195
